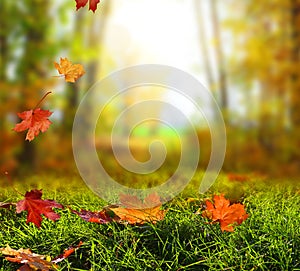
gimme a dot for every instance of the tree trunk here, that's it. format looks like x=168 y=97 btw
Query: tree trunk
x=30 y=65
x=96 y=36
x=203 y=45
x=219 y=56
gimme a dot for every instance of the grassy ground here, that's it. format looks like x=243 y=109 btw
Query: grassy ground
x=268 y=240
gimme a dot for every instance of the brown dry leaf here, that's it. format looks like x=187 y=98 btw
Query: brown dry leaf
x=30 y=260
x=8 y=251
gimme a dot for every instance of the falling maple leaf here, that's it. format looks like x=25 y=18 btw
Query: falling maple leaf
x=224 y=213
x=35 y=121
x=82 y=3
x=137 y=212
x=71 y=71
x=100 y=217
x=36 y=207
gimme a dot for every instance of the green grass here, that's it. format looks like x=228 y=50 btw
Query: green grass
x=268 y=240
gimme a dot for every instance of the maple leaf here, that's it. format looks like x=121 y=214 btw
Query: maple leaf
x=224 y=213
x=35 y=121
x=100 y=217
x=6 y=204
x=12 y=252
x=71 y=71
x=67 y=252
x=137 y=212
x=36 y=207
x=139 y=216
x=30 y=260
x=237 y=177
x=82 y=3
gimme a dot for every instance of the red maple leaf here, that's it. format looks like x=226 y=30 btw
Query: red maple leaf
x=100 y=217
x=82 y=3
x=35 y=121
x=36 y=207
x=224 y=213
x=6 y=204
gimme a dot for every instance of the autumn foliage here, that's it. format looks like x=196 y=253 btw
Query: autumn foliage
x=35 y=121
x=71 y=71
x=227 y=215
x=130 y=210
x=36 y=207
x=92 y=4
x=134 y=211
x=32 y=261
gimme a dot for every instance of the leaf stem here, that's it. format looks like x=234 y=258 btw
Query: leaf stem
x=41 y=100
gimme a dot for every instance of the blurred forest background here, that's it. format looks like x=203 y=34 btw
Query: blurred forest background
x=247 y=53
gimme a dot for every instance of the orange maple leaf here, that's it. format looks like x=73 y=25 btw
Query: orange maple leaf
x=82 y=3
x=35 y=121
x=137 y=212
x=224 y=213
x=71 y=71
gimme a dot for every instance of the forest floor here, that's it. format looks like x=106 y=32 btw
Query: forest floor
x=269 y=239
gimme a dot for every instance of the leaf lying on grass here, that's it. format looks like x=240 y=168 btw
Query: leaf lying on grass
x=224 y=213
x=137 y=212
x=32 y=261
x=233 y=177
x=36 y=207
x=6 y=204
x=100 y=217
x=139 y=216
x=67 y=252
x=131 y=210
